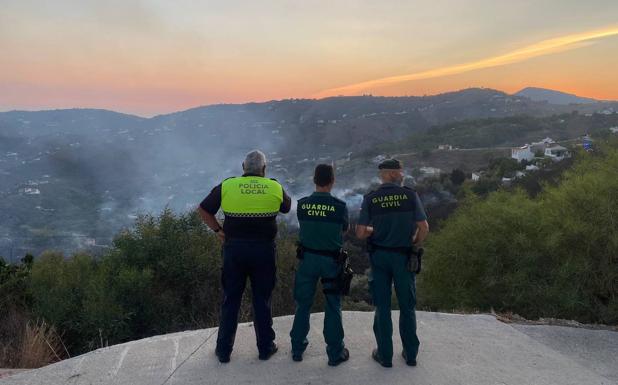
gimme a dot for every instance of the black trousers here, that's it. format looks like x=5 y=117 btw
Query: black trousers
x=255 y=260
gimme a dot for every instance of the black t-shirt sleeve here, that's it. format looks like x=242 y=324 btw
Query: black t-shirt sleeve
x=286 y=205
x=364 y=218
x=419 y=210
x=212 y=202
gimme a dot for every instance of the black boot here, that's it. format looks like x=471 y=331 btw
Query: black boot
x=343 y=357
x=376 y=356
x=269 y=353
x=224 y=358
x=408 y=362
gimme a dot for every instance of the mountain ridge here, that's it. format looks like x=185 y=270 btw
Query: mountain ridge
x=461 y=92
x=554 y=96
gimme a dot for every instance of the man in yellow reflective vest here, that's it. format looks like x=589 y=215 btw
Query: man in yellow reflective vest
x=250 y=204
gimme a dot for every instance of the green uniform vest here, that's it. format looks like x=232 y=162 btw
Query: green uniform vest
x=251 y=196
x=322 y=219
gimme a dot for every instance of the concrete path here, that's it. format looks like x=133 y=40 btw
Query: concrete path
x=10 y=372
x=456 y=349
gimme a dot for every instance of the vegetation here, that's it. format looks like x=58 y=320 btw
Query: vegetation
x=553 y=255
x=161 y=276
x=505 y=131
x=23 y=343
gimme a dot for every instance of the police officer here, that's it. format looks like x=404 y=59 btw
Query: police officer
x=250 y=204
x=323 y=219
x=393 y=219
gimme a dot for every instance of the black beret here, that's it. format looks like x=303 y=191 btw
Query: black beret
x=390 y=164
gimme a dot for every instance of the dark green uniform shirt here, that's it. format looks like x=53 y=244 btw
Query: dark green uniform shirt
x=393 y=211
x=322 y=218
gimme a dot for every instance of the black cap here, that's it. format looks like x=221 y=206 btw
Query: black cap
x=390 y=164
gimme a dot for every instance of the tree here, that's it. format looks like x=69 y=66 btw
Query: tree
x=553 y=255
x=458 y=176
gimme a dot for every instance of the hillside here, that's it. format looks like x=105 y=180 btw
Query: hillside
x=72 y=178
x=455 y=349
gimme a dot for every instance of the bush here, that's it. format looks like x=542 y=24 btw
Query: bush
x=39 y=345
x=162 y=276
x=549 y=256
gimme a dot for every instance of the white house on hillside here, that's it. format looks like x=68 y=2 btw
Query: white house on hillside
x=430 y=171
x=522 y=153
x=548 y=140
x=541 y=146
x=557 y=152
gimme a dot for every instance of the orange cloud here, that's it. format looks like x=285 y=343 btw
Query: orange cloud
x=544 y=47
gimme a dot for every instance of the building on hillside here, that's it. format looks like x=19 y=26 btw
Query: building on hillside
x=445 y=147
x=539 y=147
x=532 y=167
x=430 y=171
x=557 y=152
x=378 y=159
x=476 y=176
x=614 y=130
x=31 y=191
x=522 y=153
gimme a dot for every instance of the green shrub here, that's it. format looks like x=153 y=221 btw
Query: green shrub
x=549 y=256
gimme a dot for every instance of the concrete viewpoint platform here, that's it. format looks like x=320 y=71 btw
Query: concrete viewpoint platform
x=455 y=349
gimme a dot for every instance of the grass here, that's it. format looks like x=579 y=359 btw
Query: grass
x=27 y=344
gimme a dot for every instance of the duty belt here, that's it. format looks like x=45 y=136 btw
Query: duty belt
x=413 y=265
x=341 y=283
x=400 y=250
x=328 y=253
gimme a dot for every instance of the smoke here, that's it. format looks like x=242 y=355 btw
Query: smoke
x=103 y=169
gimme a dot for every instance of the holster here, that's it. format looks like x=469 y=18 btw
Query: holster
x=341 y=283
x=414 y=254
x=415 y=258
x=299 y=251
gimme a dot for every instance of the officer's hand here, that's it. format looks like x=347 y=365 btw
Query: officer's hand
x=221 y=235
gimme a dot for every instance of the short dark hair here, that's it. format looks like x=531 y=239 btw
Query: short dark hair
x=323 y=175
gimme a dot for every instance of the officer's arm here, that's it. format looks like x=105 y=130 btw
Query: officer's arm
x=209 y=219
x=346 y=219
x=286 y=205
x=209 y=207
x=422 y=229
x=363 y=232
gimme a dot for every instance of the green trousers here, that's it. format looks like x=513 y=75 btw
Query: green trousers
x=310 y=269
x=388 y=267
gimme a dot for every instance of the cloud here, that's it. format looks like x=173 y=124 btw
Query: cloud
x=541 y=48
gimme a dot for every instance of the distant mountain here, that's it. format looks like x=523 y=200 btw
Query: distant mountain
x=553 y=97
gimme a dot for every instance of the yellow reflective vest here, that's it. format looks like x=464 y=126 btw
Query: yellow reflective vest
x=251 y=196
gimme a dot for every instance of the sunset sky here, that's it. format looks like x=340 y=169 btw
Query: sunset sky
x=152 y=57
